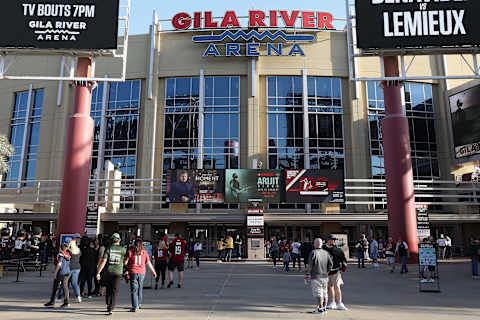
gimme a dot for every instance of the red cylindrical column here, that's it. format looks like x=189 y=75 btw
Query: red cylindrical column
x=402 y=219
x=77 y=155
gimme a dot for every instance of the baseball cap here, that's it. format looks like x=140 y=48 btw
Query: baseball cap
x=331 y=237
x=76 y=235
x=115 y=236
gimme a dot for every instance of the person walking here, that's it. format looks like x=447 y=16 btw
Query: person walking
x=88 y=264
x=442 y=245
x=361 y=251
x=75 y=267
x=402 y=251
x=448 y=247
x=390 y=254
x=229 y=240
x=137 y=260
x=160 y=255
x=296 y=254
x=287 y=257
x=113 y=259
x=373 y=250
x=319 y=266
x=61 y=276
x=305 y=250
x=177 y=260
x=198 y=252
x=275 y=252
x=238 y=245
x=191 y=253
x=268 y=246
x=335 y=280
x=220 y=249
x=474 y=252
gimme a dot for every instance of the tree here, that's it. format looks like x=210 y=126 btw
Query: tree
x=6 y=150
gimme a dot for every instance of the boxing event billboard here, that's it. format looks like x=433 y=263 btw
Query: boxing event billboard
x=394 y=24
x=195 y=186
x=59 y=24
x=465 y=120
x=245 y=185
x=314 y=186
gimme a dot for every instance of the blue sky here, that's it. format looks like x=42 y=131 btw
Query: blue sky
x=141 y=14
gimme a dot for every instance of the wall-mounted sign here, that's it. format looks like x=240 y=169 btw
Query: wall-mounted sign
x=255 y=221
x=394 y=24
x=59 y=24
x=314 y=186
x=464 y=119
x=245 y=185
x=248 y=39
x=195 y=186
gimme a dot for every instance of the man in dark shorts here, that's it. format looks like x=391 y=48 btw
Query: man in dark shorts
x=177 y=259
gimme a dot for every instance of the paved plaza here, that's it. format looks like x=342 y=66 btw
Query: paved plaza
x=254 y=291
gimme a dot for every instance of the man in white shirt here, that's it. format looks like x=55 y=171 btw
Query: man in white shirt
x=441 y=243
x=197 y=248
x=296 y=254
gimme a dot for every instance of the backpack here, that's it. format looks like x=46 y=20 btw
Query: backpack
x=402 y=250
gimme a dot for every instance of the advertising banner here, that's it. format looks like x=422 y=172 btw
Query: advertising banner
x=427 y=255
x=423 y=224
x=59 y=24
x=465 y=120
x=255 y=232
x=314 y=186
x=388 y=24
x=245 y=185
x=195 y=186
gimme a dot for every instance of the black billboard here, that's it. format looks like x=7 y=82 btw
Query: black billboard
x=59 y=24
x=195 y=186
x=387 y=24
x=314 y=186
x=465 y=121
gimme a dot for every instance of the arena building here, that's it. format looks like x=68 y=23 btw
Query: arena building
x=202 y=99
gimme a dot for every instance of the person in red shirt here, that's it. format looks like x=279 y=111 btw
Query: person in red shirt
x=160 y=255
x=177 y=259
x=137 y=260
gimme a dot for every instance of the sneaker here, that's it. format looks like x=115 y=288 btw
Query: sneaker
x=319 y=310
x=332 y=306
x=133 y=310
x=89 y=297
x=424 y=281
x=341 y=307
x=109 y=313
x=179 y=286
x=170 y=284
x=49 y=304
x=65 y=305
x=79 y=299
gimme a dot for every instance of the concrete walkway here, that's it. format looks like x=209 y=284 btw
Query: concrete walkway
x=253 y=291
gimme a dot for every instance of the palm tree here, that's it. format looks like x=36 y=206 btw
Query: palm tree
x=6 y=150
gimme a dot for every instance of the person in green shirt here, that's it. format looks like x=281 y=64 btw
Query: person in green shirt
x=113 y=259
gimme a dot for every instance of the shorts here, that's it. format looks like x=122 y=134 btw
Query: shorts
x=180 y=267
x=335 y=279
x=319 y=288
x=390 y=260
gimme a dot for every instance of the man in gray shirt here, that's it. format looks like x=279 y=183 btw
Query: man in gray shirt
x=320 y=264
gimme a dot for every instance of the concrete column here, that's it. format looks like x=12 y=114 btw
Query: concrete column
x=78 y=152
x=402 y=220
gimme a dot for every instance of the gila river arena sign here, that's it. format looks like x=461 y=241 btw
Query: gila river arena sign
x=59 y=24
x=266 y=33
x=412 y=24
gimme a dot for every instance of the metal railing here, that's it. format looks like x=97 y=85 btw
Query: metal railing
x=362 y=195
